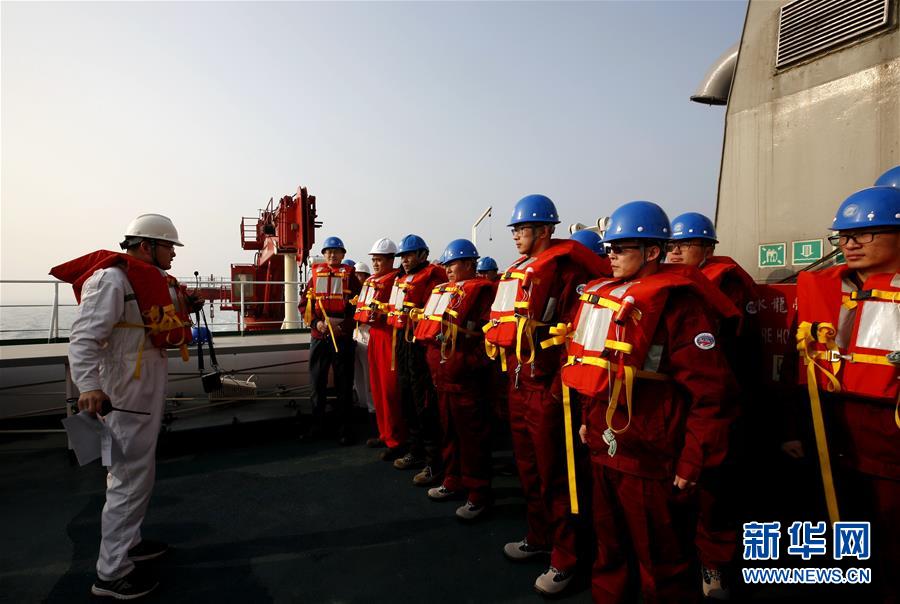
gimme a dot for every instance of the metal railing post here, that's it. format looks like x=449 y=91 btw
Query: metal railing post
x=56 y=310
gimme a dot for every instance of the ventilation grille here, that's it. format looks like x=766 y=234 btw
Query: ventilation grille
x=807 y=27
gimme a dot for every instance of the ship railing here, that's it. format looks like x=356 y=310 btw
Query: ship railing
x=225 y=286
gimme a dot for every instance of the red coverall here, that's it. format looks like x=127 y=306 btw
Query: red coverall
x=718 y=490
x=464 y=408
x=538 y=433
x=864 y=442
x=383 y=381
x=678 y=427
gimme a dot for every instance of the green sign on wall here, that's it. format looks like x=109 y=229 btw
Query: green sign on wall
x=806 y=252
x=771 y=255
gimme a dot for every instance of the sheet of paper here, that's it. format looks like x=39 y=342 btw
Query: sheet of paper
x=85 y=434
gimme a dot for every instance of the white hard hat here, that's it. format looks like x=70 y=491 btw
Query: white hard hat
x=153 y=226
x=384 y=246
x=362 y=267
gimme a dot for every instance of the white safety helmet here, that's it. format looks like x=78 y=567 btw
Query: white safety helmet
x=153 y=226
x=384 y=246
x=362 y=267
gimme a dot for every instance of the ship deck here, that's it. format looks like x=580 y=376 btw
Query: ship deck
x=256 y=515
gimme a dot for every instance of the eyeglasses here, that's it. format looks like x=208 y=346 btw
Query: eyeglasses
x=521 y=227
x=860 y=238
x=677 y=245
x=617 y=249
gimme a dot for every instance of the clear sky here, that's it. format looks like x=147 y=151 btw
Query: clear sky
x=400 y=117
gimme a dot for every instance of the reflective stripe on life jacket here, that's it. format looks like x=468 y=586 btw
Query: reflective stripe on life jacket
x=411 y=292
x=329 y=291
x=374 y=296
x=447 y=311
x=523 y=301
x=848 y=338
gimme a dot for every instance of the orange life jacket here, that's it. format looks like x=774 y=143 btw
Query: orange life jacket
x=374 y=296
x=446 y=313
x=610 y=339
x=329 y=292
x=166 y=320
x=410 y=292
x=523 y=301
x=849 y=339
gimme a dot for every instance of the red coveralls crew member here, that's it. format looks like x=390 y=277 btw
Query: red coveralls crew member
x=849 y=343
x=537 y=290
x=642 y=352
x=371 y=310
x=326 y=301
x=451 y=329
x=129 y=311
x=418 y=399
x=693 y=243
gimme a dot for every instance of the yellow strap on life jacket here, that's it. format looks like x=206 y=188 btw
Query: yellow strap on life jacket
x=328 y=323
x=601 y=362
x=491 y=349
x=623 y=347
x=521 y=323
x=851 y=300
x=308 y=311
x=596 y=300
x=140 y=354
x=614 y=399
x=558 y=333
x=805 y=337
x=825 y=334
x=448 y=336
x=570 y=449
x=393 y=348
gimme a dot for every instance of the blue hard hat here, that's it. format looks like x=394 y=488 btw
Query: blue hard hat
x=891 y=178
x=458 y=249
x=534 y=208
x=693 y=225
x=200 y=334
x=333 y=243
x=486 y=264
x=411 y=243
x=638 y=220
x=872 y=207
x=590 y=240
x=349 y=262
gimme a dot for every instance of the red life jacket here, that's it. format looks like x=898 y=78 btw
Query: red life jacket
x=850 y=339
x=374 y=296
x=523 y=301
x=165 y=316
x=717 y=267
x=614 y=327
x=410 y=292
x=329 y=292
x=446 y=313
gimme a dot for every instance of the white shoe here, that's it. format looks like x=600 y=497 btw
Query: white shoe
x=440 y=493
x=522 y=550
x=553 y=581
x=470 y=511
x=712 y=585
